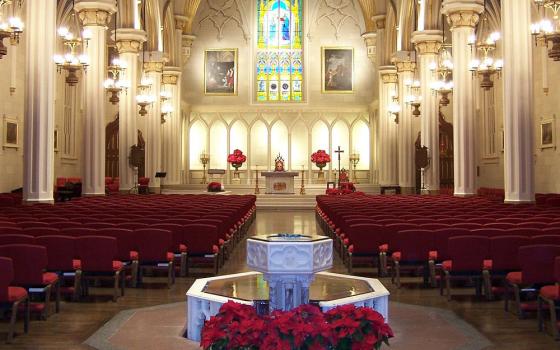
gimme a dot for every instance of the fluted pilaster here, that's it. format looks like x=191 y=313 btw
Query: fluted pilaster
x=388 y=156
x=95 y=16
x=405 y=69
x=462 y=17
x=428 y=43
x=129 y=43
x=38 y=161
x=153 y=71
x=518 y=102
x=171 y=142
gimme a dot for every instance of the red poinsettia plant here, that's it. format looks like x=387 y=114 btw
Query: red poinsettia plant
x=237 y=158
x=306 y=327
x=214 y=187
x=320 y=158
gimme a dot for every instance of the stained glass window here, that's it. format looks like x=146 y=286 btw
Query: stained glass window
x=279 y=51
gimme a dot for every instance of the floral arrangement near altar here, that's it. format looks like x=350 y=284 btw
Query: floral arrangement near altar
x=306 y=327
x=215 y=187
x=236 y=159
x=320 y=159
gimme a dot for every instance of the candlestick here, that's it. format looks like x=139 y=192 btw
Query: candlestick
x=257 y=191
x=302 y=189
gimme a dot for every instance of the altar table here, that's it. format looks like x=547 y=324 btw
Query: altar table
x=279 y=182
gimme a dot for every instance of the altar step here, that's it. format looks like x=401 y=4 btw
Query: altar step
x=269 y=201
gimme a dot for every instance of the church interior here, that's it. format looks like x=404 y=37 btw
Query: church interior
x=172 y=169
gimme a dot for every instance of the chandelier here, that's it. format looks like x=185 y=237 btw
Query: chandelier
x=10 y=28
x=114 y=83
x=549 y=29
x=485 y=65
x=144 y=97
x=71 y=61
x=413 y=97
x=166 y=107
x=394 y=108
x=443 y=71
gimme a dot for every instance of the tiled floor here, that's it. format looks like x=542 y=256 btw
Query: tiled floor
x=426 y=318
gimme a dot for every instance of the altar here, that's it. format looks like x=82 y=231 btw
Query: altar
x=279 y=182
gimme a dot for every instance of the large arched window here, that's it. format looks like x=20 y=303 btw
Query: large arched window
x=279 y=51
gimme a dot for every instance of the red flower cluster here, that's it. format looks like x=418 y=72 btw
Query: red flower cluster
x=320 y=157
x=214 y=187
x=237 y=157
x=239 y=327
x=362 y=325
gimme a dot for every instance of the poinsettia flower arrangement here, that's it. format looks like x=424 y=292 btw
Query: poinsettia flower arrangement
x=306 y=327
x=236 y=159
x=214 y=187
x=320 y=158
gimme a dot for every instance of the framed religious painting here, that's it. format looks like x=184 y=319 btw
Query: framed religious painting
x=220 y=72
x=548 y=137
x=337 y=70
x=11 y=133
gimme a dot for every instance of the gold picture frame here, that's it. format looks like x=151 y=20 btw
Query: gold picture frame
x=337 y=70
x=11 y=133
x=548 y=133
x=220 y=72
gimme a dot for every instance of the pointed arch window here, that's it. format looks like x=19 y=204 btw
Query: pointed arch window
x=279 y=51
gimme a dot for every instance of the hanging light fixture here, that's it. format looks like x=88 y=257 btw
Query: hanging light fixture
x=443 y=70
x=413 y=97
x=12 y=27
x=166 y=107
x=548 y=28
x=71 y=61
x=485 y=65
x=144 y=97
x=114 y=83
x=394 y=108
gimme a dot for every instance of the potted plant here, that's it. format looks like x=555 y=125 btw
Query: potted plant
x=320 y=159
x=236 y=159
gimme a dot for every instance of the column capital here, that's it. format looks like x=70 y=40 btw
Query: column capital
x=404 y=61
x=171 y=75
x=181 y=22
x=388 y=74
x=95 y=12
x=186 y=45
x=462 y=13
x=153 y=66
x=371 y=45
x=129 y=39
x=379 y=21
x=427 y=41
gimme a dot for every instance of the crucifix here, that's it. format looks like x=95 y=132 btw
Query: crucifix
x=339 y=151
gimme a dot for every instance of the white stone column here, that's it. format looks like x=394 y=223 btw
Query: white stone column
x=388 y=156
x=153 y=71
x=38 y=146
x=405 y=135
x=518 y=102
x=463 y=16
x=129 y=43
x=171 y=143
x=428 y=43
x=95 y=16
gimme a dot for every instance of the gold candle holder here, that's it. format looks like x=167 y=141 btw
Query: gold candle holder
x=302 y=188
x=354 y=159
x=204 y=159
x=257 y=191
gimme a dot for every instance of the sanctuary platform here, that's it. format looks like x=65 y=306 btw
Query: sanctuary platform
x=269 y=201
